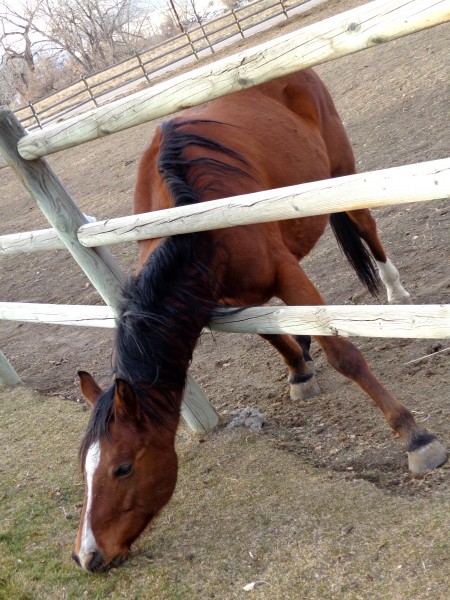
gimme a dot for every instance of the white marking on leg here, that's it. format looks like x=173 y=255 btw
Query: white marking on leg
x=88 y=543
x=396 y=293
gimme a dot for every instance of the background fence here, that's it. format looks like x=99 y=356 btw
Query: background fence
x=343 y=34
x=197 y=41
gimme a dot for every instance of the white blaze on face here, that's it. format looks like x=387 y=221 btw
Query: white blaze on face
x=88 y=543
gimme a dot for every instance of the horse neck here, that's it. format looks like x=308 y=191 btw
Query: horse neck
x=164 y=312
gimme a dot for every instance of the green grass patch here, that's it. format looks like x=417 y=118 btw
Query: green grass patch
x=243 y=511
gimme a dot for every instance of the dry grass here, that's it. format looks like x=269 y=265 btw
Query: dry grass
x=244 y=511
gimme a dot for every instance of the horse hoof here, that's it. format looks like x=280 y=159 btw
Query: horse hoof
x=427 y=457
x=304 y=391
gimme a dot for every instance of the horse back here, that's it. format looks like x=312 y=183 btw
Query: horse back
x=305 y=94
x=280 y=133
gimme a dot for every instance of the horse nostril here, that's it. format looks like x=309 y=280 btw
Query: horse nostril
x=76 y=559
x=95 y=562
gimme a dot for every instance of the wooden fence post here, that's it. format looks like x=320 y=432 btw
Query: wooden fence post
x=60 y=210
x=35 y=115
x=205 y=35
x=191 y=44
x=141 y=64
x=84 y=80
x=7 y=374
x=237 y=23
x=97 y=263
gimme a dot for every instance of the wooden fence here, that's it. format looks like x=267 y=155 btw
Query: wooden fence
x=371 y=24
x=197 y=40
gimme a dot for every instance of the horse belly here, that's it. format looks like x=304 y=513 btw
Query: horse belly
x=301 y=235
x=246 y=261
x=248 y=257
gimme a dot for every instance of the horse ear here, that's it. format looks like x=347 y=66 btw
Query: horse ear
x=126 y=404
x=89 y=387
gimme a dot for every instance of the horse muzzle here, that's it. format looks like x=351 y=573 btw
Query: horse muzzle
x=95 y=562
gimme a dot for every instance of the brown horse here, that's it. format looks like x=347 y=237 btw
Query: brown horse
x=277 y=134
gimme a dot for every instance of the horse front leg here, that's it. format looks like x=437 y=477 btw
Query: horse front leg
x=424 y=451
x=301 y=379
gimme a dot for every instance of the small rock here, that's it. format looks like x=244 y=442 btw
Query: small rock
x=251 y=586
x=246 y=417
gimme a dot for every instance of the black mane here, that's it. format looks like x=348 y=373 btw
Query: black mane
x=165 y=307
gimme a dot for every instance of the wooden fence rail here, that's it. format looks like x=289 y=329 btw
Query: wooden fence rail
x=369 y=25
x=430 y=321
x=397 y=185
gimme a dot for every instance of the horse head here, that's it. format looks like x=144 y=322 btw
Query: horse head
x=130 y=470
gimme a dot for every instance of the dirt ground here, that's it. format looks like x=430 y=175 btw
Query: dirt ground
x=394 y=102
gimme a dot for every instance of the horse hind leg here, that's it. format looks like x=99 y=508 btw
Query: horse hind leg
x=389 y=275
x=424 y=451
x=301 y=379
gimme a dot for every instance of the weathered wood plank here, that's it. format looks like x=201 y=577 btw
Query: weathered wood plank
x=404 y=321
x=393 y=321
x=398 y=185
x=30 y=241
x=40 y=240
x=8 y=376
x=59 y=314
x=369 y=25
x=199 y=416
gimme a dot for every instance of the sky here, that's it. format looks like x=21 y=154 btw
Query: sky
x=151 y=6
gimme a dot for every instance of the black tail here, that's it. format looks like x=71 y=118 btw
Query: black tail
x=355 y=251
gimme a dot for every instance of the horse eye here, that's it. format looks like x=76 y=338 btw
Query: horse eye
x=123 y=471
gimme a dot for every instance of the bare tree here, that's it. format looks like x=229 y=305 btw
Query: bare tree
x=73 y=37
x=17 y=43
x=230 y=4
x=91 y=34
x=8 y=84
x=189 y=11
x=94 y=33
